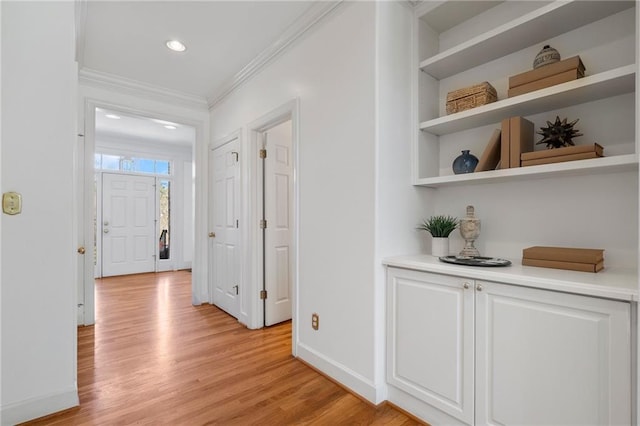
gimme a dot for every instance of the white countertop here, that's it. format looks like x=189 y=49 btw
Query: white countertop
x=613 y=283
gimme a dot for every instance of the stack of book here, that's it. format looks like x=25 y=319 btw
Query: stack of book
x=574 y=259
x=559 y=155
x=546 y=76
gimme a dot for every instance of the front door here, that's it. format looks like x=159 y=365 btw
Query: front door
x=278 y=203
x=225 y=236
x=128 y=224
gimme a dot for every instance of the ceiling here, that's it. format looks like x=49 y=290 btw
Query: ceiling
x=117 y=124
x=126 y=40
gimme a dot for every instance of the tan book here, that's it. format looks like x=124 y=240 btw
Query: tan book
x=546 y=71
x=564 y=254
x=505 y=144
x=572 y=266
x=491 y=154
x=543 y=83
x=521 y=139
x=556 y=152
x=560 y=159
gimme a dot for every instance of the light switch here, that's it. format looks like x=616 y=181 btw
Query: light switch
x=11 y=203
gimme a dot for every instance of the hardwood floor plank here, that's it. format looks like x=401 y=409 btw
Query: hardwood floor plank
x=154 y=359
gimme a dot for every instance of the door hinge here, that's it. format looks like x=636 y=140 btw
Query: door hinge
x=263 y=153
x=263 y=294
x=237 y=223
x=235 y=287
x=263 y=224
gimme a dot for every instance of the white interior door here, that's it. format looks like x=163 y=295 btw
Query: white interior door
x=128 y=228
x=278 y=209
x=225 y=236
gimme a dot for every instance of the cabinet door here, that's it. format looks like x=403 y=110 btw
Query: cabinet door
x=430 y=339
x=547 y=358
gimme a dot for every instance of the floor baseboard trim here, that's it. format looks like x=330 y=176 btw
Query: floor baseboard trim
x=34 y=408
x=343 y=376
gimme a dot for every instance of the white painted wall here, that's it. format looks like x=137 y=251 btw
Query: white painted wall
x=356 y=203
x=399 y=206
x=139 y=101
x=39 y=86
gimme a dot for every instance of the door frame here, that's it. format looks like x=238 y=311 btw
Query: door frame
x=253 y=201
x=85 y=199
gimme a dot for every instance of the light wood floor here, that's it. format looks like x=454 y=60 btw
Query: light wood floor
x=152 y=358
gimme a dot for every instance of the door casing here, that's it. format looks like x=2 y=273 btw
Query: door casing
x=253 y=197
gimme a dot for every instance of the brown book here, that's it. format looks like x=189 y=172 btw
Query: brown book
x=491 y=154
x=564 y=254
x=543 y=83
x=556 y=152
x=546 y=71
x=521 y=139
x=560 y=159
x=505 y=144
x=572 y=266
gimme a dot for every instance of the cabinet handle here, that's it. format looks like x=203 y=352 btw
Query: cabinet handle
x=479 y=287
x=466 y=286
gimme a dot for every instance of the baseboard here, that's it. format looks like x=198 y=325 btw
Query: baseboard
x=33 y=408
x=352 y=381
x=420 y=410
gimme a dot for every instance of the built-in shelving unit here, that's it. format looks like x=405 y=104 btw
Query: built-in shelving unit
x=463 y=62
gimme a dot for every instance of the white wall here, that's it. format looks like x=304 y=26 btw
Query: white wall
x=356 y=203
x=399 y=206
x=39 y=87
x=142 y=102
x=331 y=70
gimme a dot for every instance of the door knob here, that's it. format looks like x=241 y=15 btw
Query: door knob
x=212 y=234
x=81 y=250
x=106 y=223
x=479 y=287
x=465 y=285
x=106 y=231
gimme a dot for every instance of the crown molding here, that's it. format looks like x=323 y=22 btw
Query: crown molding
x=313 y=16
x=136 y=88
x=81 y=25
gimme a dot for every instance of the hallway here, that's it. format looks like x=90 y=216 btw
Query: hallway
x=153 y=358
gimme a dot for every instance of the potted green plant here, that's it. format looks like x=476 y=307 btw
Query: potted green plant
x=440 y=227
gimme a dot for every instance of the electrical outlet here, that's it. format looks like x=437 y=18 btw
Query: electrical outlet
x=315 y=321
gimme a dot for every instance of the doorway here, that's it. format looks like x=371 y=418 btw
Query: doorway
x=123 y=142
x=276 y=223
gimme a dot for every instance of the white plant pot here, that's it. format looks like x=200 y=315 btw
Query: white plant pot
x=439 y=246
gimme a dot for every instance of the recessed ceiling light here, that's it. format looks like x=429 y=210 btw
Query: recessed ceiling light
x=170 y=127
x=176 y=46
x=113 y=116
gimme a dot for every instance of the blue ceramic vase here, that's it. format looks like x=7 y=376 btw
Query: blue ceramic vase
x=465 y=163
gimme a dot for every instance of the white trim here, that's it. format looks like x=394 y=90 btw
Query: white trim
x=33 y=408
x=252 y=238
x=139 y=89
x=342 y=374
x=313 y=16
x=81 y=25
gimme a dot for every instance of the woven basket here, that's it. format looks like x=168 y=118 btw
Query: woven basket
x=471 y=97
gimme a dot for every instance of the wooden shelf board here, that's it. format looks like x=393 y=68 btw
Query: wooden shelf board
x=617 y=163
x=603 y=85
x=535 y=27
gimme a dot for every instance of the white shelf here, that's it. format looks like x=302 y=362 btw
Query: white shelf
x=614 y=283
x=603 y=85
x=535 y=27
x=617 y=163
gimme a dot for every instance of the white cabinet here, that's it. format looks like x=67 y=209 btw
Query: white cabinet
x=478 y=352
x=461 y=43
